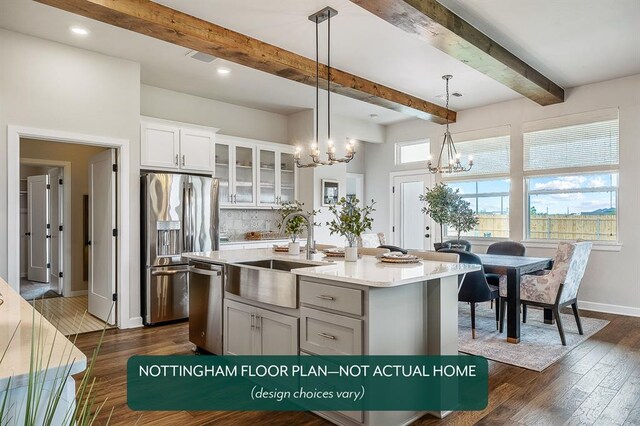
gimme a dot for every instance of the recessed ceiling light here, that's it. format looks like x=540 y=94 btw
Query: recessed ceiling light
x=223 y=71
x=77 y=30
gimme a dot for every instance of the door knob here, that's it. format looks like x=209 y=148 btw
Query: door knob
x=427 y=235
x=427 y=227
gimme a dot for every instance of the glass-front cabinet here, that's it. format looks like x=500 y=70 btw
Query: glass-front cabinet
x=276 y=176
x=254 y=173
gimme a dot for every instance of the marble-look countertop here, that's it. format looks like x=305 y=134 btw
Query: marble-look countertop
x=264 y=240
x=367 y=271
x=18 y=316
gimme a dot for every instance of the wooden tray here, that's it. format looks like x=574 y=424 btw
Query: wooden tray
x=399 y=260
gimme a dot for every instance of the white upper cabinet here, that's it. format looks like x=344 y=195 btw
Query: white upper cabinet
x=160 y=145
x=276 y=175
x=176 y=146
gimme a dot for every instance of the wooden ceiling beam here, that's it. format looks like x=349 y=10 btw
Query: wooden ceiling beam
x=448 y=32
x=163 y=23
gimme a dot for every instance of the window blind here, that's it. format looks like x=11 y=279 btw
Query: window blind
x=589 y=146
x=490 y=157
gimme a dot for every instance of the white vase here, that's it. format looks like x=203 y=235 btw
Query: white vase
x=294 y=248
x=350 y=254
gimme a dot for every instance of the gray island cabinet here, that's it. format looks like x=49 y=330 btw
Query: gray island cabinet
x=342 y=308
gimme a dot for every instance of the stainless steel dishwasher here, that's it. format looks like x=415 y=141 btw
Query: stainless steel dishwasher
x=205 y=306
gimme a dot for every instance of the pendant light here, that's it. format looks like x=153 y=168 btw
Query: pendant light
x=324 y=15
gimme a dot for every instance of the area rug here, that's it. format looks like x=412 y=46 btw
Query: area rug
x=539 y=345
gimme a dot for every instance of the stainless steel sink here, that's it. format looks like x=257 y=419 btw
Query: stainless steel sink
x=277 y=264
x=267 y=281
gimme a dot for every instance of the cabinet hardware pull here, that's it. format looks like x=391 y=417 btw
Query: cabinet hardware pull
x=258 y=321
x=177 y=163
x=327 y=336
x=252 y=320
x=323 y=297
x=183 y=160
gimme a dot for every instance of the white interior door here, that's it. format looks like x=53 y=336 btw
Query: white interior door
x=411 y=229
x=37 y=232
x=102 y=222
x=56 y=204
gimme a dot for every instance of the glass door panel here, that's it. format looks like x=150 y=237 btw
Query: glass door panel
x=267 y=185
x=222 y=171
x=287 y=178
x=244 y=177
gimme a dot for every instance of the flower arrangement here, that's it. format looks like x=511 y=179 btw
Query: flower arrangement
x=350 y=219
x=296 y=225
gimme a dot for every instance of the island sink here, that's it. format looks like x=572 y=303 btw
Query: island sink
x=267 y=281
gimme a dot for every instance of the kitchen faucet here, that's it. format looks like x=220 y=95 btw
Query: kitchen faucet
x=310 y=241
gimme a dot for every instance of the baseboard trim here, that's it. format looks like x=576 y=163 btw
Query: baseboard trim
x=75 y=293
x=609 y=309
x=134 y=322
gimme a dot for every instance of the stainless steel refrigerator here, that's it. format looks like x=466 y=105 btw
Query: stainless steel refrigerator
x=180 y=213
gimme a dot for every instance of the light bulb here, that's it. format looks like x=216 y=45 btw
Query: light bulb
x=458 y=156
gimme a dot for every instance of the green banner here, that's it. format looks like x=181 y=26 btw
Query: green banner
x=301 y=383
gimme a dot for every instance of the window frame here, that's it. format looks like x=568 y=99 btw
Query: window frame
x=484 y=195
x=576 y=172
x=400 y=145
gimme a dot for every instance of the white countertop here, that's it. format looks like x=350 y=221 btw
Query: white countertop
x=18 y=316
x=274 y=241
x=366 y=271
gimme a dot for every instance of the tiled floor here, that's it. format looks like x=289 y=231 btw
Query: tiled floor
x=31 y=290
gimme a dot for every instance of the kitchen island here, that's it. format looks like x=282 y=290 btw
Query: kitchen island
x=21 y=327
x=338 y=308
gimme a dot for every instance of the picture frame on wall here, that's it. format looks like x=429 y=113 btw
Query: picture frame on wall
x=330 y=192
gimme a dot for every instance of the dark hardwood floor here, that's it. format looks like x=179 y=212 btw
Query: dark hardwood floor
x=596 y=383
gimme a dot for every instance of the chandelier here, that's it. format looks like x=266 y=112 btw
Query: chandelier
x=324 y=15
x=451 y=162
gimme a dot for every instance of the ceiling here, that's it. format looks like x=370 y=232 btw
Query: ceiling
x=572 y=42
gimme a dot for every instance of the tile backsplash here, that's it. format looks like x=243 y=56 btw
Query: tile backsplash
x=235 y=223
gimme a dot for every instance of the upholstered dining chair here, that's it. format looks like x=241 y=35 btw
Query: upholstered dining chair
x=556 y=288
x=504 y=248
x=372 y=251
x=474 y=288
x=394 y=248
x=370 y=240
x=436 y=256
x=459 y=244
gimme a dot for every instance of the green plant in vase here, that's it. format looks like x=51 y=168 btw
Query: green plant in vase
x=296 y=225
x=351 y=221
x=438 y=204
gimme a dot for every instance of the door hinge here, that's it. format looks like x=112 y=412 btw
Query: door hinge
x=393 y=189
x=60 y=275
x=115 y=168
x=114 y=297
x=114 y=232
x=48 y=186
x=60 y=181
x=48 y=226
x=393 y=229
x=48 y=266
x=60 y=228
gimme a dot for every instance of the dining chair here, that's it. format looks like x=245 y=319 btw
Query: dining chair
x=504 y=248
x=370 y=240
x=372 y=251
x=436 y=256
x=555 y=288
x=394 y=248
x=475 y=288
x=460 y=244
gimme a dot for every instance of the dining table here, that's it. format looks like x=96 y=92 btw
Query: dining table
x=514 y=267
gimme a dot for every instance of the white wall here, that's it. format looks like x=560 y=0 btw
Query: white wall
x=231 y=119
x=53 y=86
x=612 y=281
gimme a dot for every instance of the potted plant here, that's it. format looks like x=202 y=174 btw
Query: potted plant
x=439 y=201
x=350 y=222
x=462 y=218
x=296 y=225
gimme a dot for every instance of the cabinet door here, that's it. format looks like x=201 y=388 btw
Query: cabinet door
x=267 y=177
x=196 y=147
x=278 y=333
x=159 y=145
x=244 y=175
x=239 y=328
x=287 y=181
x=222 y=170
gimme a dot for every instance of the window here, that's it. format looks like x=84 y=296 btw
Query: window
x=489 y=199
x=413 y=152
x=486 y=186
x=577 y=206
x=571 y=173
